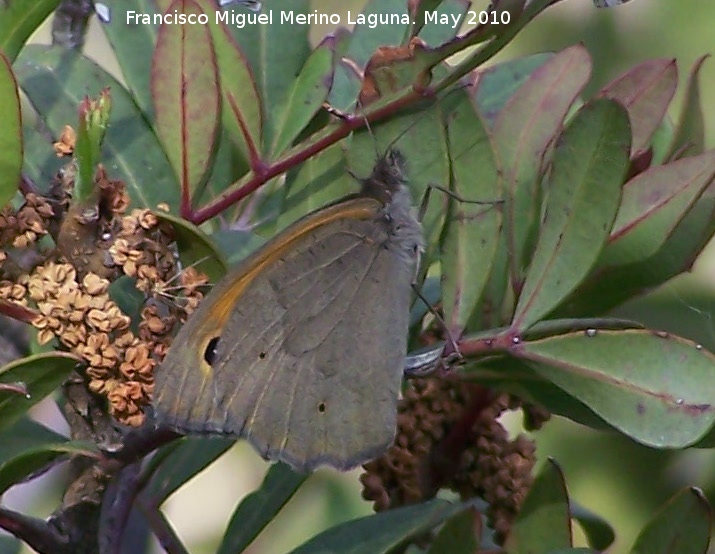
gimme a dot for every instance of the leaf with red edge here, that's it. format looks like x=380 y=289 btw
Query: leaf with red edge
x=653 y=204
x=495 y=84
x=130 y=43
x=609 y=287
x=275 y=54
x=10 y=133
x=471 y=232
x=645 y=91
x=689 y=135
x=588 y=169
x=184 y=86
x=653 y=387
x=524 y=129
x=241 y=106
x=307 y=95
x=57 y=79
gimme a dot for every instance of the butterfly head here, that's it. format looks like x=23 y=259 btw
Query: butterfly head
x=387 y=177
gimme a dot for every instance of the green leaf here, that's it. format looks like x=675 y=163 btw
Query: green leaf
x=654 y=203
x=433 y=33
x=689 y=135
x=645 y=91
x=598 y=531
x=41 y=374
x=228 y=165
x=458 y=535
x=526 y=384
x=318 y=181
x=579 y=550
x=498 y=82
x=131 y=44
x=236 y=245
x=309 y=91
x=418 y=12
x=652 y=387
x=588 y=168
x=29 y=448
x=275 y=54
x=241 y=105
x=611 y=286
x=9 y=545
x=495 y=35
x=260 y=507
x=56 y=80
x=543 y=523
x=40 y=163
x=196 y=248
x=523 y=131
x=682 y=526
x=362 y=44
x=550 y=327
x=490 y=311
x=10 y=133
x=471 y=232
x=178 y=462
x=421 y=138
x=18 y=20
x=185 y=91
x=380 y=533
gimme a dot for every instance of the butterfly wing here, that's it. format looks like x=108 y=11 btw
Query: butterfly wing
x=308 y=363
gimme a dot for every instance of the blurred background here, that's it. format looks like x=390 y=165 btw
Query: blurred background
x=610 y=475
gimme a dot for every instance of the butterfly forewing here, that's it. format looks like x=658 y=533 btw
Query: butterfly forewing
x=320 y=328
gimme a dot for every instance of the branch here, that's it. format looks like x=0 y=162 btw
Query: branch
x=39 y=534
x=70 y=23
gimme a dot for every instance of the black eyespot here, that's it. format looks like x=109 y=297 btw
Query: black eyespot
x=262 y=355
x=211 y=351
x=321 y=407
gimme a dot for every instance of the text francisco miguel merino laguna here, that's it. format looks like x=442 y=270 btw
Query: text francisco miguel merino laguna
x=240 y=20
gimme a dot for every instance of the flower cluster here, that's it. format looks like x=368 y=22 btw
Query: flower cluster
x=69 y=287
x=483 y=463
x=21 y=228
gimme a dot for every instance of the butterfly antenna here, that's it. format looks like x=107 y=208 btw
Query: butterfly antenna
x=374 y=138
x=168 y=283
x=195 y=264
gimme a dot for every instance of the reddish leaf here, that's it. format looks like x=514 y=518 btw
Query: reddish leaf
x=184 y=86
x=242 y=112
x=689 y=136
x=653 y=204
x=645 y=91
x=525 y=129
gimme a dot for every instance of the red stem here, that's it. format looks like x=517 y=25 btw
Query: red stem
x=265 y=172
x=18 y=312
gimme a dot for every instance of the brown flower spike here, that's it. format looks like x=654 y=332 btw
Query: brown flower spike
x=423 y=459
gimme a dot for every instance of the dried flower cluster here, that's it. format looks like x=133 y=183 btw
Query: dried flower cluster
x=484 y=462
x=21 y=228
x=69 y=287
